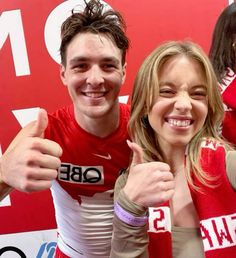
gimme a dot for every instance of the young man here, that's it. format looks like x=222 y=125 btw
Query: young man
x=86 y=141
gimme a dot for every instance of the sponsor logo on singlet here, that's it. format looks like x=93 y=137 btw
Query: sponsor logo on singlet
x=81 y=174
x=108 y=156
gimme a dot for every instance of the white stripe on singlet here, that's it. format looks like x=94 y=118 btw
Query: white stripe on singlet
x=85 y=230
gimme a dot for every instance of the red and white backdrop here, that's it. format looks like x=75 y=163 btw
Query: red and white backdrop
x=29 y=78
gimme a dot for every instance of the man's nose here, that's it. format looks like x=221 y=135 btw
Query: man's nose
x=95 y=76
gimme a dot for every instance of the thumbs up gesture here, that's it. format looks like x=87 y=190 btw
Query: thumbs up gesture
x=30 y=163
x=149 y=184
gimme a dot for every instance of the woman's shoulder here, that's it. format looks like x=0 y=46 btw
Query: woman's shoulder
x=231 y=167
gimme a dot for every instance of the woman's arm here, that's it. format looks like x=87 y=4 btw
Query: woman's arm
x=128 y=241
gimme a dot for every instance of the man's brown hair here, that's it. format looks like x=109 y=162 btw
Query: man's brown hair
x=94 y=19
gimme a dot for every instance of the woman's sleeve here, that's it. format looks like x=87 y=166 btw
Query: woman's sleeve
x=128 y=241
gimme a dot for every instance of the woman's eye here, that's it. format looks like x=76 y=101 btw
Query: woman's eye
x=166 y=92
x=199 y=95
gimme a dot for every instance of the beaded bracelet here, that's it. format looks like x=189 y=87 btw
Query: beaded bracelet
x=128 y=218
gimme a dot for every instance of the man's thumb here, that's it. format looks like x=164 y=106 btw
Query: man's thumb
x=137 y=153
x=40 y=124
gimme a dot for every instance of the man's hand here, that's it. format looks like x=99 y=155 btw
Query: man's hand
x=30 y=163
x=149 y=184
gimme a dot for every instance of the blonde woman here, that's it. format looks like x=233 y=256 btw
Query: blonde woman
x=177 y=199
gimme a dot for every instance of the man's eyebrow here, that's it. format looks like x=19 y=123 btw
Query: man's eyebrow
x=78 y=59
x=85 y=59
x=111 y=59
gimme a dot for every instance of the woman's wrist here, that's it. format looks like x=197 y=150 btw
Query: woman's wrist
x=128 y=218
x=127 y=201
x=130 y=212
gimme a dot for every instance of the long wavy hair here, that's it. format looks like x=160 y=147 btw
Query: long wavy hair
x=146 y=90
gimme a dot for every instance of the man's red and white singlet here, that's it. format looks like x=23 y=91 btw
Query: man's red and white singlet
x=83 y=192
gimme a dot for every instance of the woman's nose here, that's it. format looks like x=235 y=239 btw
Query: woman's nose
x=183 y=102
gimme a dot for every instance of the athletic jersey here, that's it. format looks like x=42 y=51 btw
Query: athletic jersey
x=83 y=191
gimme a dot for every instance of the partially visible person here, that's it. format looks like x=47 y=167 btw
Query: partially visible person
x=176 y=112
x=86 y=140
x=223 y=57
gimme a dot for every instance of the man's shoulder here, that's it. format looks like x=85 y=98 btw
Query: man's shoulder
x=125 y=109
x=59 y=121
x=61 y=114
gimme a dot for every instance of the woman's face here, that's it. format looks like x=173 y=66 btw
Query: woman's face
x=181 y=108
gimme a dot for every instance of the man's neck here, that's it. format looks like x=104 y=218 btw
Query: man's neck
x=100 y=126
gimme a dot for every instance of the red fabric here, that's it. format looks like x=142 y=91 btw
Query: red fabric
x=229 y=89
x=60 y=254
x=229 y=99
x=229 y=127
x=64 y=129
x=215 y=208
x=160 y=245
x=88 y=172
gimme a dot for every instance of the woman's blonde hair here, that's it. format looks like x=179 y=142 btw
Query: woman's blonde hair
x=146 y=90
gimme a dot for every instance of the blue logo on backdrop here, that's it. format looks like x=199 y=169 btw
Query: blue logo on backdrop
x=48 y=249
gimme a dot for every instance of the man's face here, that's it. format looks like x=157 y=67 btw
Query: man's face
x=93 y=74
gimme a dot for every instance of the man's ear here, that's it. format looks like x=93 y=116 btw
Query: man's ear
x=62 y=74
x=124 y=72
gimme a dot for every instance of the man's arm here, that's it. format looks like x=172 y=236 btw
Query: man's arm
x=30 y=162
x=4 y=188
